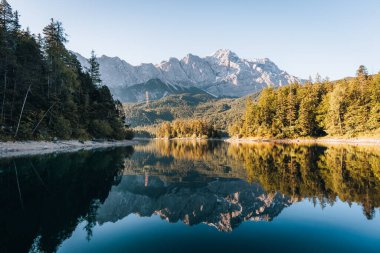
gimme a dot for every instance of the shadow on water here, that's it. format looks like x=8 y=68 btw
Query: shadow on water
x=43 y=198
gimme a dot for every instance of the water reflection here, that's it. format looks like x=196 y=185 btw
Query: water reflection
x=322 y=173
x=43 y=199
x=349 y=173
x=190 y=178
x=221 y=203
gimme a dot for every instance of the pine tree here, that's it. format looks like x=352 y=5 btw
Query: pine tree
x=306 y=122
x=6 y=16
x=8 y=38
x=249 y=119
x=292 y=108
x=266 y=105
x=374 y=90
x=362 y=72
x=16 y=21
x=93 y=70
x=281 y=119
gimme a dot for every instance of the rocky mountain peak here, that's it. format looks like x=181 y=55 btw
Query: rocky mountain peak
x=226 y=55
x=222 y=74
x=190 y=58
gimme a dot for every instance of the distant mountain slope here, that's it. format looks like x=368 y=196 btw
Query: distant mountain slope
x=221 y=74
x=222 y=112
x=154 y=89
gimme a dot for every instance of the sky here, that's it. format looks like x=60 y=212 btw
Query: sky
x=303 y=37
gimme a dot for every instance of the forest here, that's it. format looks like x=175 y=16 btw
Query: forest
x=187 y=129
x=44 y=91
x=347 y=108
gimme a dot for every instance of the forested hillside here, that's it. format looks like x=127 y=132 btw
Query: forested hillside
x=348 y=108
x=45 y=93
x=220 y=113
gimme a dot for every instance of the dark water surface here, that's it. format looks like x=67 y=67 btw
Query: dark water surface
x=189 y=196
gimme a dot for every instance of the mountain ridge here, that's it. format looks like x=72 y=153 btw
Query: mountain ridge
x=223 y=73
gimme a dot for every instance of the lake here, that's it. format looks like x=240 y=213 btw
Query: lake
x=193 y=196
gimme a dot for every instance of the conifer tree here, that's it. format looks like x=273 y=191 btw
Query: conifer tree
x=94 y=69
x=6 y=16
x=8 y=33
x=306 y=123
x=362 y=72
x=292 y=107
x=249 y=118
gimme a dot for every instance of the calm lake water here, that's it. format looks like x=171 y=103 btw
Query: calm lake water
x=191 y=196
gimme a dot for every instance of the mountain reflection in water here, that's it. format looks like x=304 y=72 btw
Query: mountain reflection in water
x=222 y=203
x=44 y=198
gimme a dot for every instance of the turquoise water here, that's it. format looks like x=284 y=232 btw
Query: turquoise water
x=293 y=231
x=193 y=197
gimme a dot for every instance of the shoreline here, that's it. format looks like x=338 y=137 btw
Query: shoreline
x=30 y=148
x=323 y=140
x=185 y=139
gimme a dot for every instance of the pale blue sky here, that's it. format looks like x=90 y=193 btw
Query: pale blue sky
x=303 y=37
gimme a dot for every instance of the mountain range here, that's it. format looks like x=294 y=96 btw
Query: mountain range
x=223 y=74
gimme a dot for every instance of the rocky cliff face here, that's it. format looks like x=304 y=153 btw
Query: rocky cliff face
x=221 y=203
x=221 y=74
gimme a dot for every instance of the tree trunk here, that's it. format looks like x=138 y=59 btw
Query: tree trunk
x=13 y=99
x=22 y=109
x=4 y=96
x=340 y=123
x=18 y=185
x=39 y=122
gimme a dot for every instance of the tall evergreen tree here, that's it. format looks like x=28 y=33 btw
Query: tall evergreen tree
x=93 y=70
x=249 y=118
x=292 y=106
x=7 y=17
x=8 y=39
x=362 y=72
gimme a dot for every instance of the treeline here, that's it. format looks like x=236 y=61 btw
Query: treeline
x=45 y=93
x=187 y=129
x=348 y=107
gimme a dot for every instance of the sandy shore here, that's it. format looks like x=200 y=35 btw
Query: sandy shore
x=325 y=140
x=24 y=148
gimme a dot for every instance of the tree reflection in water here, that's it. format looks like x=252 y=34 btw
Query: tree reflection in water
x=43 y=198
x=320 y=173
x=349 y=173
